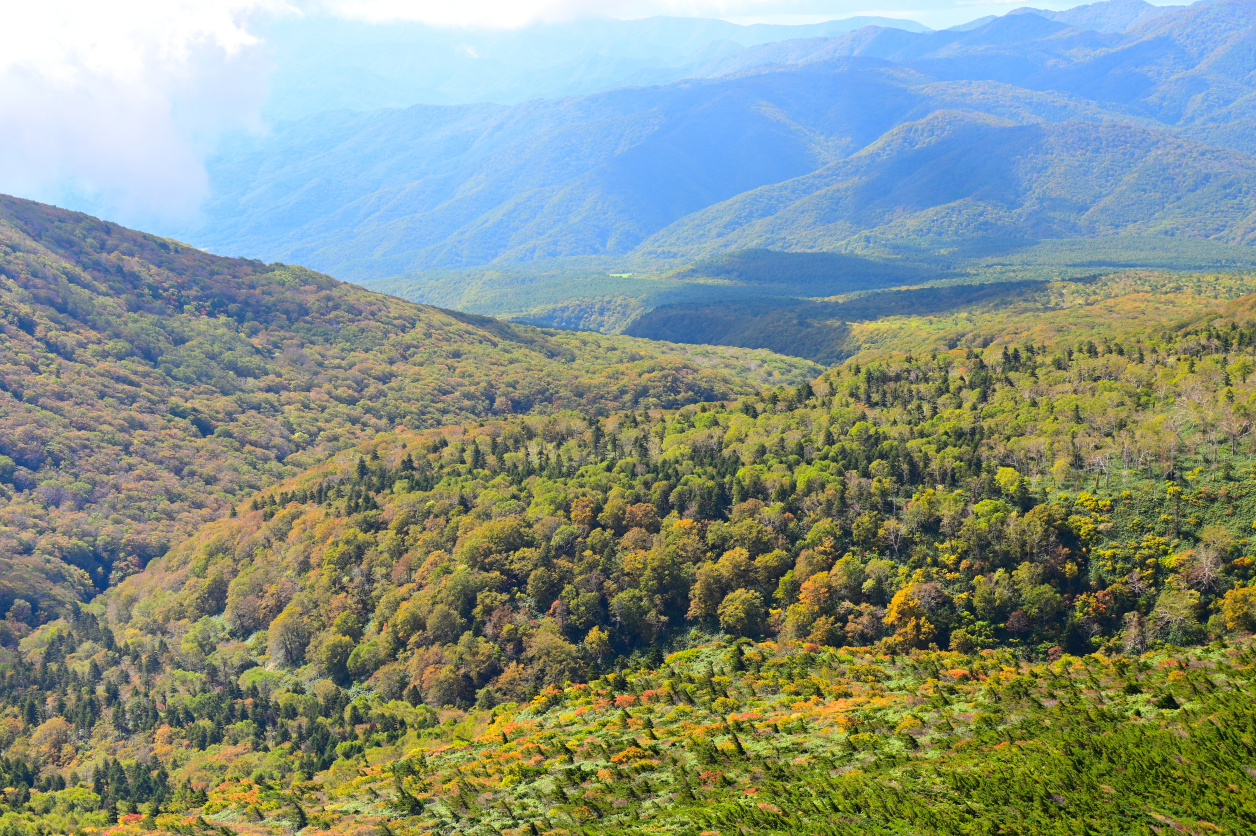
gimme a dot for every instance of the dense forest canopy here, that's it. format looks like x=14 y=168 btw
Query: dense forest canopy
x=1084 y=496
x=415 y=572
x=917 y=568
x=145 y=385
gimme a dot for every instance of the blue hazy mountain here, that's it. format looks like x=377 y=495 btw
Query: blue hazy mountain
x=1106 y=15
x=956 y=177
x=322 y=63
x=735 y=158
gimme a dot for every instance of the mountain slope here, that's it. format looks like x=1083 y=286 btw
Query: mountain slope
x=1186 y=67
x=147 y=384
x=593 y=176
x=457 y=186
x=520 y=553
x=724 y=616
x=956 y=177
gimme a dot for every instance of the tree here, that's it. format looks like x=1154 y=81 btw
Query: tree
x=1238 y=607
x=908 y=616
x=552 y=659
x=1013 y=485
x=865 y=528
x=742 y=612
x=333 y=657
x=597 y=644
x=893 y=535
x=444 y=625
x=1175 y=617
x=287 y=637
x=635 y=617
x=993 y=596
x=543 y=587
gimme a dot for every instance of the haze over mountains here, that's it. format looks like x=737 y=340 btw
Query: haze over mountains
x=1112 y=16
x=656 y=175
x=327 y=63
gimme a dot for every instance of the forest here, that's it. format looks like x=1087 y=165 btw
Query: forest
x=145 y=385
x=837 y=429
x=990 y=571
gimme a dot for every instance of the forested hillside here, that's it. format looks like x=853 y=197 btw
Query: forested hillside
x=148 y=385
x=835 y=329
x=926 y=576
x=1006 y=493
x=956 y=177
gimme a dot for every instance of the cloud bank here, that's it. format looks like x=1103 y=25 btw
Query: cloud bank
x=109 y=107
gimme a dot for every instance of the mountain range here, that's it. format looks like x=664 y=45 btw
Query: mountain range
x=913 y=491
x=644 y=178
x=323 y=63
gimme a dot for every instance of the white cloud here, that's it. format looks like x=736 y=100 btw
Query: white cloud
x=109 y=106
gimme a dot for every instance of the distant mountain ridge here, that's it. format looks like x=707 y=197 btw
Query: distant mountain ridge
x=607 y=178
x=959 y=176
x=1106 y=15
x=323 y=63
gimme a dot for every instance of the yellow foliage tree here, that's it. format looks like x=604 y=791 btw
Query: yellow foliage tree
x=907 y=616
x=1238 y=607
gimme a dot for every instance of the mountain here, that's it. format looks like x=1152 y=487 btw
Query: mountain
x=1188 y=69
x=1008 y=49
x=595 y=182
x=568 y=177
x=727 y=615
x=956 y=177
x=146 y=385
x=1106 y=15
x=322 y=63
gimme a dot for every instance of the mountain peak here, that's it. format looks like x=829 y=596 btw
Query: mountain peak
x=1106 y=15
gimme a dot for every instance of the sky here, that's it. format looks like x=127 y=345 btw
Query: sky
x=111 y=106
